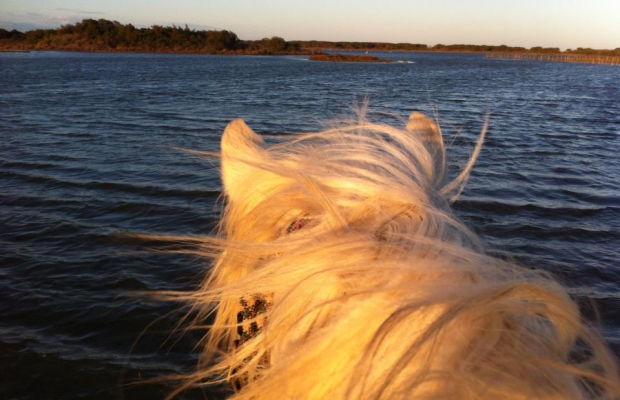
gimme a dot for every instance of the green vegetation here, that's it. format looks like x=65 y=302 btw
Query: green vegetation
x=594 y=52
x=347 y=58
x=104 y=35
x=376 y=46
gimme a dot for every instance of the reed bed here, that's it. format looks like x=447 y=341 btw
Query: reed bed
x=571 y=58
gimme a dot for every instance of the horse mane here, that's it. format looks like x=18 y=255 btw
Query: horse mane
x=383 y=293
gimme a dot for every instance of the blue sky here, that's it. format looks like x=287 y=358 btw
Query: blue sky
x=557 y=23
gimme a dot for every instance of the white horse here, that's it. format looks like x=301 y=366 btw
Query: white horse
x=341 y=273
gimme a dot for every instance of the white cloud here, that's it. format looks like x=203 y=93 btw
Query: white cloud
x=32 y=20
x=80 y=11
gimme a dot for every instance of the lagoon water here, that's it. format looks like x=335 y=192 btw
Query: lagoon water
x=89 y=150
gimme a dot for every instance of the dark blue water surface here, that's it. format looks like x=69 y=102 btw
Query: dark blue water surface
x=88 y=151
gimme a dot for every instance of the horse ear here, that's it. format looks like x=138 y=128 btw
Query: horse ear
x=424 y=126
x=429 y=132
x=241 y=150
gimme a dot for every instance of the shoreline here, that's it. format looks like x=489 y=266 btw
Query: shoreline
x=144 y=51
x=490 y=55
x=310 y=52
x=104 y=36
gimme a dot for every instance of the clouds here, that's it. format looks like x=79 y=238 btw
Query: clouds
x=56 y=17
x=37 y=20
x=20 y=26
x=548 y=23
x=82 y=12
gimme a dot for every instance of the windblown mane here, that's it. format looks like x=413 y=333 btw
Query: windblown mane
x=382 y=293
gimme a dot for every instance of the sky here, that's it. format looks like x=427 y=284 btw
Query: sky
x=547 y=23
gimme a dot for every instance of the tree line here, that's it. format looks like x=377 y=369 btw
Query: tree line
x=104 y=35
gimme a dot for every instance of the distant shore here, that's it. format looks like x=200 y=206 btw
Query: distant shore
x=17 y=48
x=321 y=56
x=566 y=58
x=103 y=36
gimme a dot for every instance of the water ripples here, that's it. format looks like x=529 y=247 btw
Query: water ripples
x=92 y=151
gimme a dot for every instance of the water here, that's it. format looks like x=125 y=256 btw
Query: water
x=89 y=150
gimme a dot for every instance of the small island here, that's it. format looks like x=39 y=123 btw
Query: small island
x=347 y=58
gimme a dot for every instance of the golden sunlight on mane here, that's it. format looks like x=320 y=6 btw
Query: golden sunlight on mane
x=340 y=272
